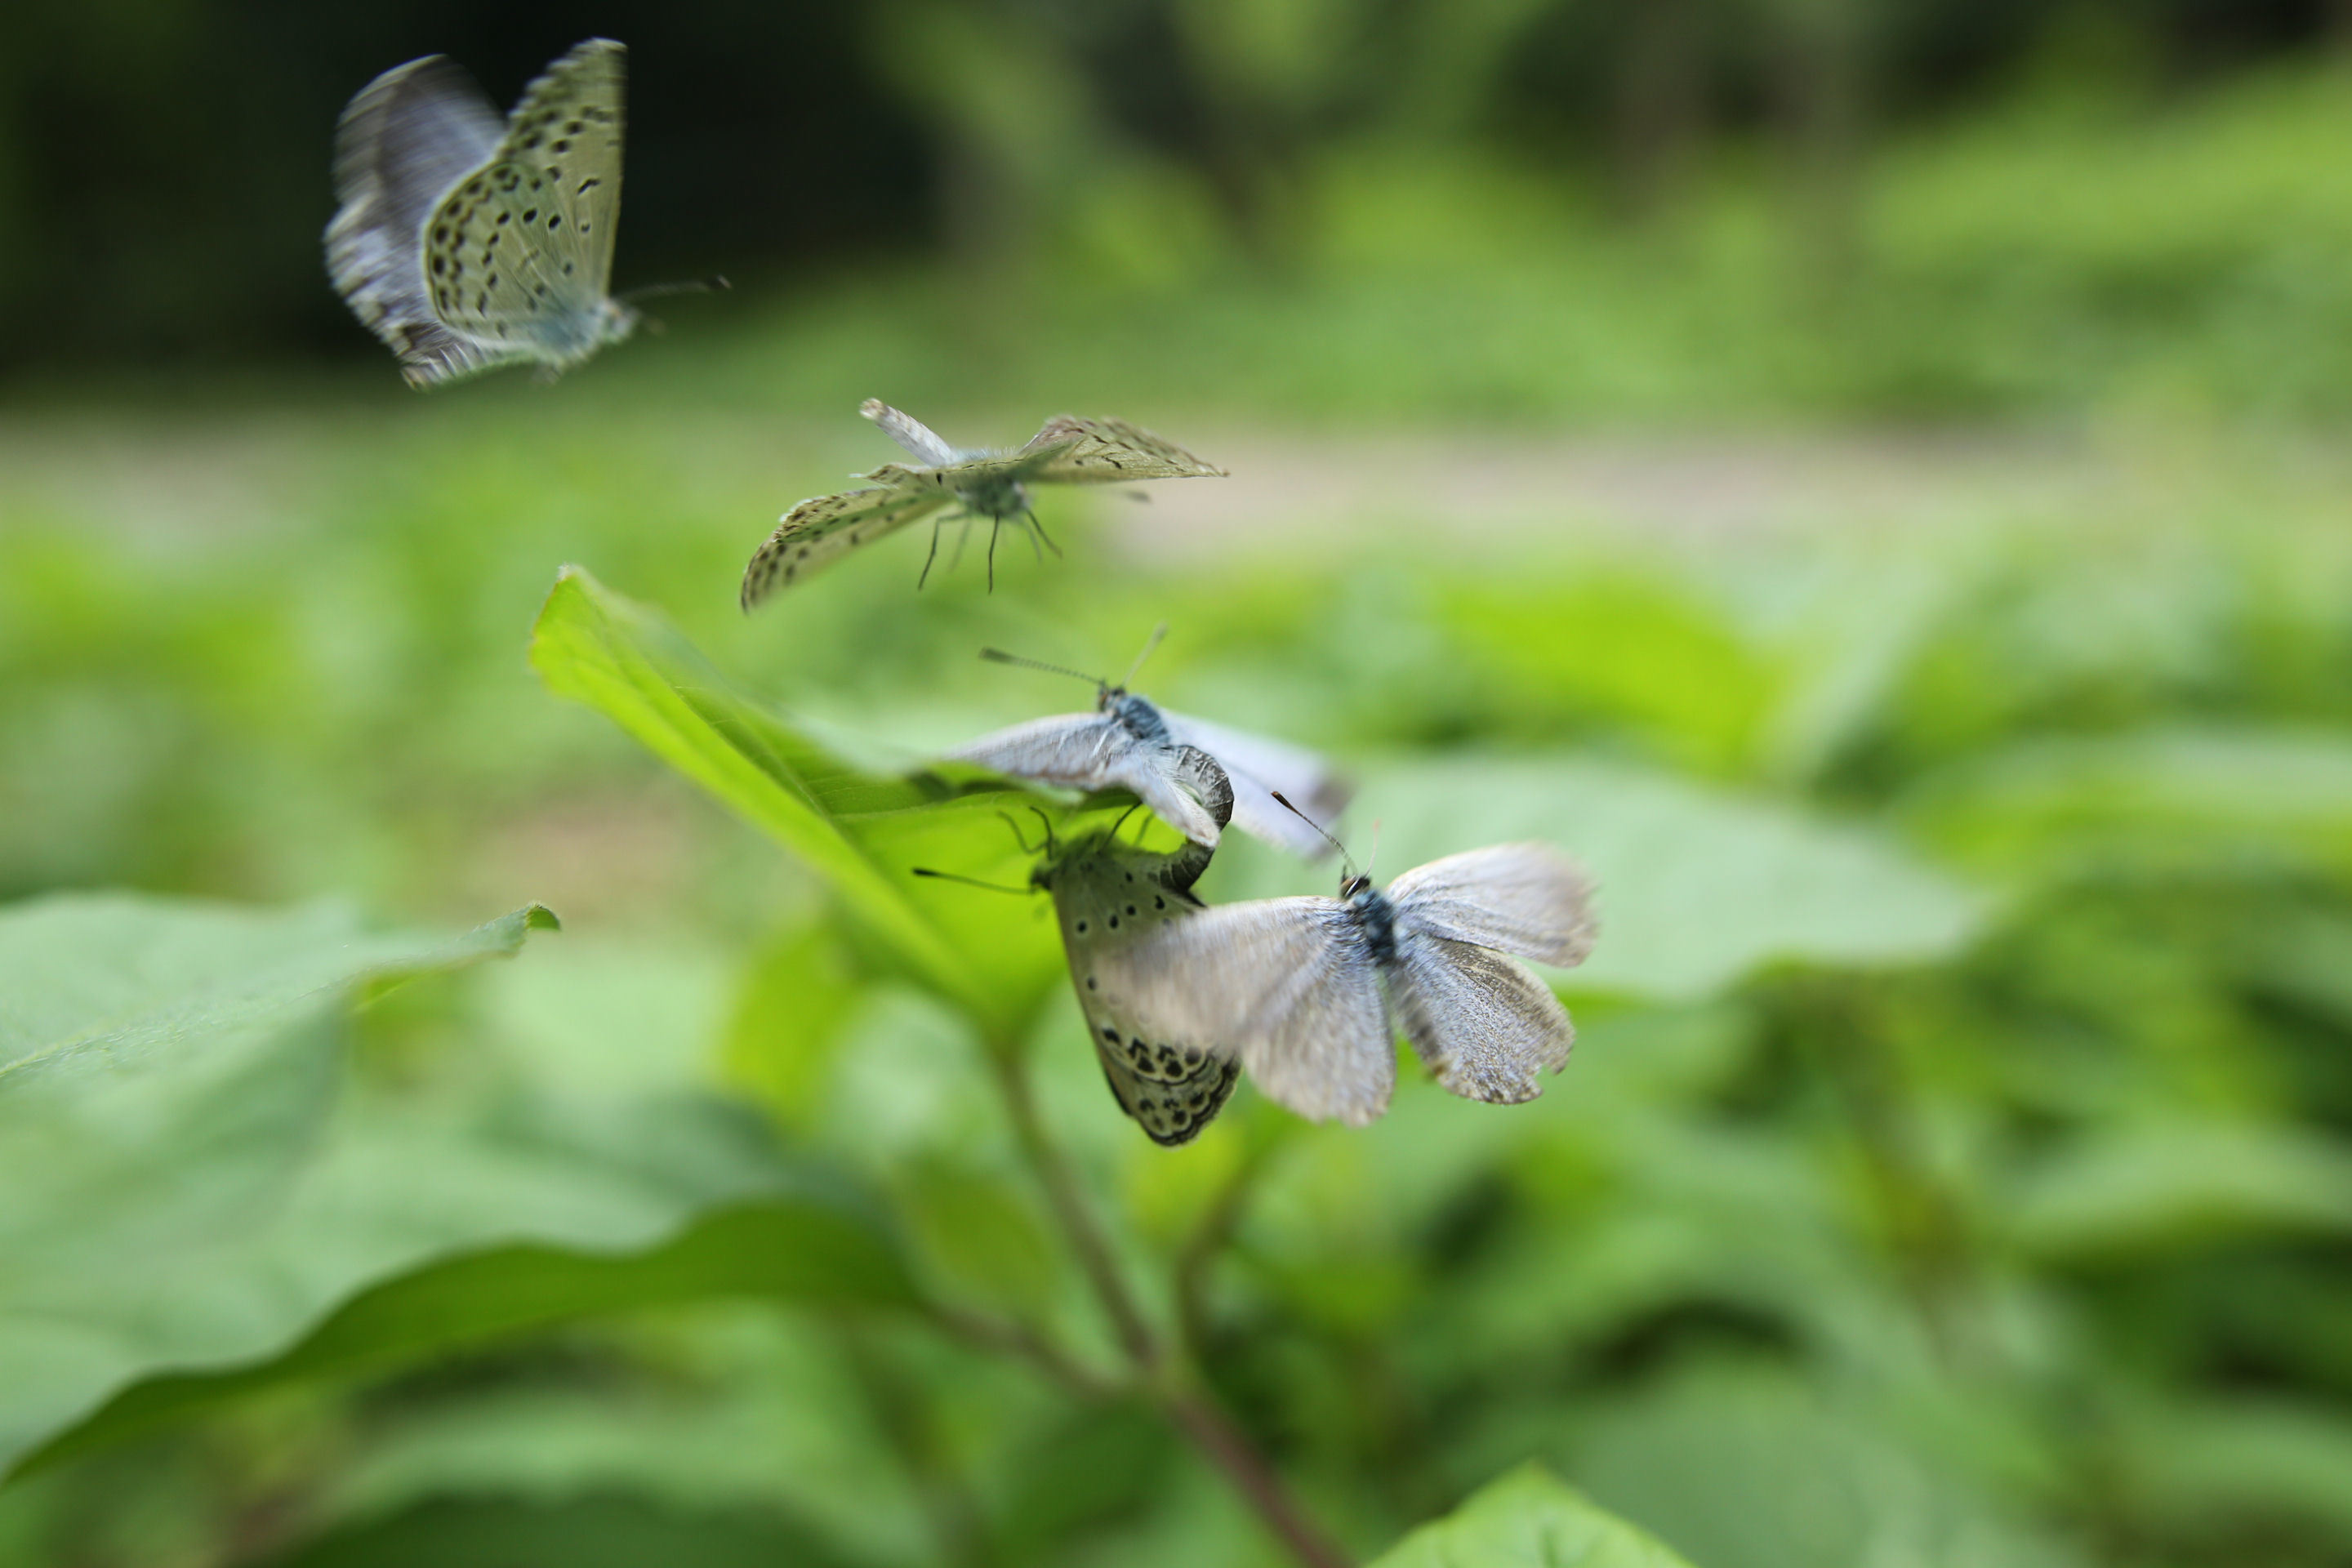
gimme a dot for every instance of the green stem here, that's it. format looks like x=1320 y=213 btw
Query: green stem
x=1069 y=1205
x=1209 y=1430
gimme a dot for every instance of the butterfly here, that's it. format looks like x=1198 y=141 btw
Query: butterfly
x=1130 y=743
x=1108 y=895
x=1308 y=993
x=976 y=482
x=466 y=243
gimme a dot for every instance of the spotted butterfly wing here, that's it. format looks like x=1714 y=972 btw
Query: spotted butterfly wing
x=517 y=256
x=823 y=529
x=407 y=139
x=1109 y=898
x=1074 y=451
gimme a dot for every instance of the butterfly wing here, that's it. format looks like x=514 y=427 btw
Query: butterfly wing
x=1526 y=898
x=1260 y=767
x=1094 y=752
x=1287 y=984
x=823 y=529
x=919 y=439
x=406 y=139
x=1109 y=897
x=518 y=256
x=1074 y=451
x=1482 y=1022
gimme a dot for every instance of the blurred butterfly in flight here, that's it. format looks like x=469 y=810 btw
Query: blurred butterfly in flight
x=1108 y=895
x=465 y=242
x=1308 y=993
x=974 y=481
x=1129 y=742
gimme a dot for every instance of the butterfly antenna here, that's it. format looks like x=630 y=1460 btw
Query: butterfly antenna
x=1149 y=645
x=1284 y=801
x=1123 y=815
x=1006 y=818
x=998 y=655
x=711 y=285
x=968 y=882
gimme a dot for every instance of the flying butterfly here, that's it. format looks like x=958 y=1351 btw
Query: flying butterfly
x=947 y=482
x=1110 y=895
x=467 y=243
x=1308 y=993
x=1130 y=743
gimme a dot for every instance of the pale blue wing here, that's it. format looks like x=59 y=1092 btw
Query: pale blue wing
x=1289 y=985
x=1526 y=898
x=1095 y=752
x=407 y=140
x=1482 y=1023
x=919 y=439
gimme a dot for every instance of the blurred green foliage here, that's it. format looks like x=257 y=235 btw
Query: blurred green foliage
x=1953 y=1168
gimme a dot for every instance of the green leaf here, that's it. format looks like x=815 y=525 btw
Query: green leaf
x=807 y=1246
x=1528 y=1520
x=2166 y=1188
x=191 y=1186
x=2179 y=796
x=613 y=1531
x=787 y=1026
x=861 y=833
x=1697 y=886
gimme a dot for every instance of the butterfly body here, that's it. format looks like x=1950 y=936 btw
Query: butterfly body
x=993 y=495
x=466 y=243
x=947 y=481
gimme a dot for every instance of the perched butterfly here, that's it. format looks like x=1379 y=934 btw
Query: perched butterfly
x=1308 y=993
x=1108 y=895
x=1130 y=743
x=977 y=483
x=466 y=243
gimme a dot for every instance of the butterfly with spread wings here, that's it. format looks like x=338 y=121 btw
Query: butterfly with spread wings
x=1308 y=993
x=946 y=483
x=466 y=242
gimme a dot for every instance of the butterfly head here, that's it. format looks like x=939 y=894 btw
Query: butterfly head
x=615 y=320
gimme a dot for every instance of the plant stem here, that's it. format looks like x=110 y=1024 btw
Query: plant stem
x=1228 y=1447
x=1000 y=1337
x=1199 y=1250
x=1069 y=1205
x=1189 y=1411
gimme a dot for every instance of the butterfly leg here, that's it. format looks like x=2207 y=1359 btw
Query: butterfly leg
x=957 y=559
x=995 y=526
x=934 y=555
x=1041 y=533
